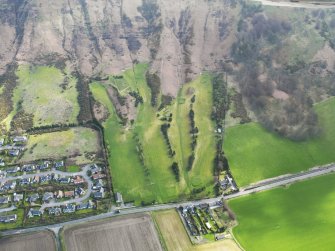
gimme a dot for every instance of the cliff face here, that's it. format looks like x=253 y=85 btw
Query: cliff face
x=179 y=38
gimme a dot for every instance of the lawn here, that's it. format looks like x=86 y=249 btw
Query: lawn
x=47 y=94
x=300 y=217
x=159 y=183
x=174 y=235
x=79 y=145
x=73 y=169
x=17 y=224
x=255 y=154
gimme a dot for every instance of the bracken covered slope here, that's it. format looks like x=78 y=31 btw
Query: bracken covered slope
x=179 y=38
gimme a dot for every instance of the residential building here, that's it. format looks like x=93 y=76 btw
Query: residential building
x=33 y=212
x=97 y=185
x=98 y=175
x=68 y=194
x=20 y=139
x=13 y=170
x=118 y=198
x=59 y=164
x=78 y=180
x=14 y=152
x=55 y=210
x=4 y=199
x=47 y=197
x=60 y=194
x=17 y=197
x=69 y=208
x=33 y=198
x=8 y=218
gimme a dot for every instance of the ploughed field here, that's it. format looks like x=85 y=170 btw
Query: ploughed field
x=300 y=217
x=135 y=232
x=37 y=241
x=255 y=154
x=140 y=155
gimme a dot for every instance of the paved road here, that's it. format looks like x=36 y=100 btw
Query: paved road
x=295 y=4
x=283 y=180
x=269 y=184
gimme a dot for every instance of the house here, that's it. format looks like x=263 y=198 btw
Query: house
x=13 y=169
x=55 y=210
x=69 y=208
x=45 y=178
x=79 y=191
x=118 y=198
x=25 y=181
x=33 y=198
x=17 y=197
x=232 y=183
x=208 y=225
x=9 y=185
x=85 y=205
x=2 y=163
x=78 y=180
x=42 y=167
x=60 y=194
x=64 y=180
x=4 y=199
x=3 y=174
x=68 y=194
x=2 y=141
x=36 y=179
x=99 y=194
x=33 y=212
x=59 y=164
x=14 y=152
x=98 y=175
x=97 y=185
x=95 y=168
x=28 y=168
x=20 y=139
x=47 y=197
x=8 y=218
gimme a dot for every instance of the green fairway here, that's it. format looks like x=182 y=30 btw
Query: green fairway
x=47 y=94
x=298 y=218
x=255 y=154
x=154 y=180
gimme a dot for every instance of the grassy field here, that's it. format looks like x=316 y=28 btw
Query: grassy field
x=37 y=241
x=135 y=232
x=159 y=184
x=175 y=237
x=298 y=218
x=46 y=93
x=255 y=154
x=79 y=145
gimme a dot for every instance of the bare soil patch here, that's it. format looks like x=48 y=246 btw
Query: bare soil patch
x=38 y=241
x=136 y=232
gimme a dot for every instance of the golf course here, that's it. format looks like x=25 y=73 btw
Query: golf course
x=138 y=152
